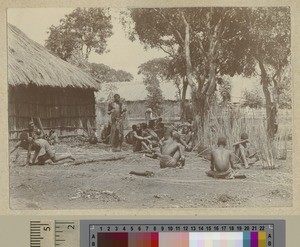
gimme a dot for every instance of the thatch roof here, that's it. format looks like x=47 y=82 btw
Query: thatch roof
x=31 y=63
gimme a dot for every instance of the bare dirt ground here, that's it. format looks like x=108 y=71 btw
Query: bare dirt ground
x=108 y=184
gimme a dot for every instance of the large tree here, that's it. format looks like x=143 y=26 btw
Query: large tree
x=269 y=43
x=81 y=31
x=201 y=42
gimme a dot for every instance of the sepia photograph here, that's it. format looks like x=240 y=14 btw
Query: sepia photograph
x=127 y=108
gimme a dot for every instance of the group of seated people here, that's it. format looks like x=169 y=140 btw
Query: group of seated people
x=168 y=144
x=165 y=143
x=144 y=137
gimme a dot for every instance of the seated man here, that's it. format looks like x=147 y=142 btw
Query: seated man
x=105 y=133
x=140 y=140
x=172 y=151
x=242 y=152
x=159 y=130
x=53 y=138
x=31 y=128
x=158 y=122
x=150 y=131
x=41 y=144
x=93 y=138
x=23 y=141
x=186 y=137
x=222 y=162
x=129 y=137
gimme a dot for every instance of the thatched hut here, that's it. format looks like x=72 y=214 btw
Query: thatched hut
x=43 y=86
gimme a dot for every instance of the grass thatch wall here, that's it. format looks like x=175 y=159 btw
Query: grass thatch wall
x=64 y=109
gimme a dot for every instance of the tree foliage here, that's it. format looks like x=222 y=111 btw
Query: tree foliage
x=253 y=98
x=206 y=43
x=83 y=30
x=155 y=98
x=105 y=73
x=154 y=72
x=99 y=71
x=213 y=37
x=157 y=67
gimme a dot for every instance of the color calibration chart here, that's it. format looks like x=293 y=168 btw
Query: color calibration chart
x=186 y=234
x=157 y=233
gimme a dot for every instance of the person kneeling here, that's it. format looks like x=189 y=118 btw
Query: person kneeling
x=41 y=143
x=222 y=162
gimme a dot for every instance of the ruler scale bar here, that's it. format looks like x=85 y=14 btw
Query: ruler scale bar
x=41 y=233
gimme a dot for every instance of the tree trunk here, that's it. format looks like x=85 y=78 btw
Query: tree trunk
x=271 y=106
x=183 y=99
x=188 y=62
x=212 y=57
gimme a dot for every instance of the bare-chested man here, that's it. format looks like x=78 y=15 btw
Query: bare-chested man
x=242 y=151
x=172 y=151
x=222 y=162
x=186 y=138
x=53 y=137
x=116 y=110
x=24 y=143
x=140 y=140
x=39 y=144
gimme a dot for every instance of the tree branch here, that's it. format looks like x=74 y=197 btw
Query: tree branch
x=164 y=50
x=175 y=30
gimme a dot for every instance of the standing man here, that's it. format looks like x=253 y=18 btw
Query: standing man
x=116 y=111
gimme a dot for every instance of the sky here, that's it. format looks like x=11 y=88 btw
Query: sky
x=122 y=53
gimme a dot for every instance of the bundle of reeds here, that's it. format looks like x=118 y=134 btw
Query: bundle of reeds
x=231 y=124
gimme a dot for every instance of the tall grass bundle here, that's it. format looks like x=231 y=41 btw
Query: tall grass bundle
x=231 y=124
